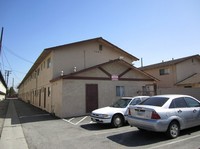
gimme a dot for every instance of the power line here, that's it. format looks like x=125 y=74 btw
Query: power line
x=10 y=51
x=9 y=66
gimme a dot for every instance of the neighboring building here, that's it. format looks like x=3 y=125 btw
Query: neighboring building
x=76 y=78
x=3 y=87
x=177 y=73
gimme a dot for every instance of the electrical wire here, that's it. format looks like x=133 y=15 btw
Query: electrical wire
x=10 y=67
x=13 y=53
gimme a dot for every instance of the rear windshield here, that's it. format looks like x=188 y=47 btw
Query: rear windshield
x=155 y=101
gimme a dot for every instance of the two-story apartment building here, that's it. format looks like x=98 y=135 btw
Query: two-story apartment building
x=176 y=73
x=76 y=78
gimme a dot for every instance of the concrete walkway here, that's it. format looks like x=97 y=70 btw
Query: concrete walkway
x=12 y=136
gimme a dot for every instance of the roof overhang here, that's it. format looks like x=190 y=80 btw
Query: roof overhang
x=130 y=67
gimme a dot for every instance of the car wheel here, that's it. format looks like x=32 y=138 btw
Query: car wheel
x=117 y=121
x=173 y=130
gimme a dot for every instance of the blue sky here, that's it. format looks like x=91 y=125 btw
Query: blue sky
x=154 y=30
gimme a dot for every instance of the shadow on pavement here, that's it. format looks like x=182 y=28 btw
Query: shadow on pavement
x=3 y=111
x=137 y=138
x=143 y=138
x=3 y=108
x=29 y=113
x=96 y=126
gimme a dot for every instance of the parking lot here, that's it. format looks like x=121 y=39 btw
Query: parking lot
x=78 y=120
x=42 y=130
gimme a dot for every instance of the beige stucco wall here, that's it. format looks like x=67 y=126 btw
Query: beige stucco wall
x=165 y=81
x=74 y=91
x=187 y=68
x=56 y=98
x=82 y=56
x=74 y=94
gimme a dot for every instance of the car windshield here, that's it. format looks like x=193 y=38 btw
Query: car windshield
x=155 y=101
x=121 y=103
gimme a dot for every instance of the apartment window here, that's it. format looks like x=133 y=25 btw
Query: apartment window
x=49 y=63
x=100 y=47
x=38 y=71
x=120 y=91
x=44 y=64
x=49 y=91
x=164 y=71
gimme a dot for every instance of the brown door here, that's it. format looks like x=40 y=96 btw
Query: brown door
x=44 y=97
x=91 y=97
x=39 y=97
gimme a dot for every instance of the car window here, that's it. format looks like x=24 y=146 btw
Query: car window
x=121 y=103
x=172 y=105
x=191 y=102
x=180 y=103
x=135 y=101
x=155 y=101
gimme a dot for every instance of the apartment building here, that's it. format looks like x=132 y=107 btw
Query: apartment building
x=176 y=73
x=76 y=78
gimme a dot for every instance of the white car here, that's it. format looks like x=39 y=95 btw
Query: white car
x=116 y=113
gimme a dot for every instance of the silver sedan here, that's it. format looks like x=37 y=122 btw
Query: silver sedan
x=165 y=113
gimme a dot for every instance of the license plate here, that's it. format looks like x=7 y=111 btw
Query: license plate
x=140 y=113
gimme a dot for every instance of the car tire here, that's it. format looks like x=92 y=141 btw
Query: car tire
x=173 y=130
x=117 y=121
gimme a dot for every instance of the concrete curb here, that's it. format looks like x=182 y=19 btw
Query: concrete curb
x=12 y=134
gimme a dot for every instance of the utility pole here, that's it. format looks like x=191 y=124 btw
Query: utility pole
x=1 y=39
x=7 y=73
x=13 y=82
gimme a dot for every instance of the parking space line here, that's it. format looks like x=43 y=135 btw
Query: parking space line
x=173 y=142
x=81 y=120
x=68 y=121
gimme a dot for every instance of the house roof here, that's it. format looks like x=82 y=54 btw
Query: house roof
x=100 y=65
x=169 y=63
x=47 y=51
x=2 y=93
x=193 y=79
x=101 y=40
x=2 y=80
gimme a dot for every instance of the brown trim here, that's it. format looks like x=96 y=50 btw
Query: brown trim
x=123 y=73
x=107 y=79
x=134 y=79
x=107 y=73
x=87 y=78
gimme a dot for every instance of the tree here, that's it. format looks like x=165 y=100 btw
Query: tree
x=11 y=92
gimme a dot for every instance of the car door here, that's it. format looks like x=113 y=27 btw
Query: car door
x=195 y=107
x=184 y=112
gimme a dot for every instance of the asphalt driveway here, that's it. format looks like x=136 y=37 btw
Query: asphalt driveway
x=42 y=130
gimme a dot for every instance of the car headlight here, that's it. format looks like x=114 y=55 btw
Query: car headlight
x=105 y=116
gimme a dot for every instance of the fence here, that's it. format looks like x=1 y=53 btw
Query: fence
x=195 y=92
